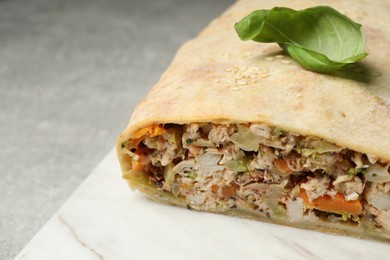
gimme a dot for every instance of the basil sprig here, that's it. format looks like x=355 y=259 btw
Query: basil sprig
x=319 y=38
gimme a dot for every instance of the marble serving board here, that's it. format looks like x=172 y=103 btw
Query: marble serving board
x=104 y=219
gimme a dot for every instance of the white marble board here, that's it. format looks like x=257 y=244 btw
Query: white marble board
x=104 y=219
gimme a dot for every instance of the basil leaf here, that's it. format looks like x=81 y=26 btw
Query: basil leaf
x=318 y=38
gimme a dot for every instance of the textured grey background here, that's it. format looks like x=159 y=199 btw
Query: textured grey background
x=71 y=72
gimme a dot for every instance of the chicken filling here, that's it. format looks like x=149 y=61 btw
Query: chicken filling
x=262 y=169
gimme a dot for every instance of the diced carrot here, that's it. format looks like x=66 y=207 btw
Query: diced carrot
x=143 y=151
x=143 y=154
x=184 y=186
x=214 y=188
x=152 y=131
x=230 y=190
x=140 y=133
x=282 y=166
x=156 y=130
x=336 y=204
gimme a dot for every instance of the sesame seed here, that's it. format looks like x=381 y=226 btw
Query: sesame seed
x=279 y=56
x=228 y=70
x=269 y=58
x=217 y=81
x=286 y=62
x=242 y=82
x=263 y=75
x=235 y=88
x=299 y=95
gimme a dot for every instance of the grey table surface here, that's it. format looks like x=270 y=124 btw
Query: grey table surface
x=71 y=72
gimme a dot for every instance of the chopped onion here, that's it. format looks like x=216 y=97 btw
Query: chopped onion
x=169 y=174
x=245 y=139
x=295 y=209
x=378 y=199
x=377 y=173
x=176 y=189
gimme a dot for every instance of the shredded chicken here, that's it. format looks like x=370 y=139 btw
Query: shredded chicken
x=264 y=159
x=220 y=134
x=350 y=186
x=316 y=187
x=264 y=169
x=207 y=163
